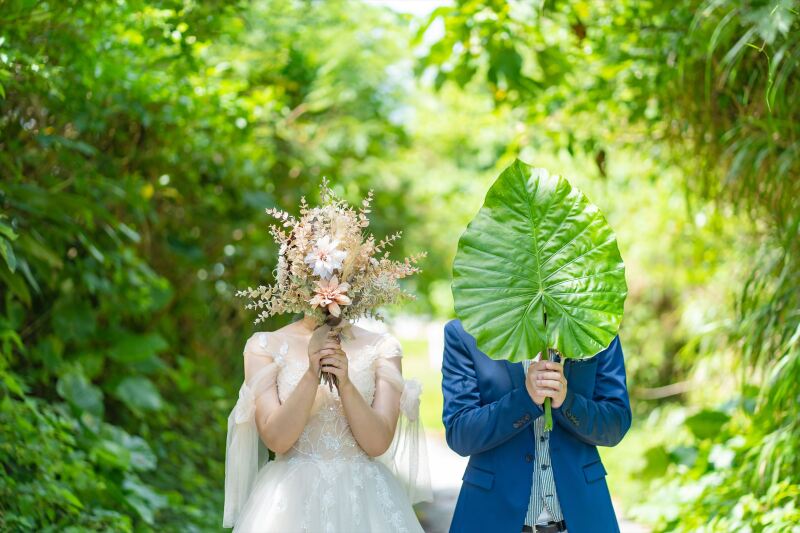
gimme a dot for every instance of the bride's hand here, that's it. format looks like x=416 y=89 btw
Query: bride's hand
x=328 y=349
x=334 y=361
x=314 y=357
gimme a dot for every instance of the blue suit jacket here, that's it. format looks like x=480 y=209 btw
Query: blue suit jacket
x=488 y=416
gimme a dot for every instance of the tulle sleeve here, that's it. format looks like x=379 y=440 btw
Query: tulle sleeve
x=407 y=456
x=243 y=444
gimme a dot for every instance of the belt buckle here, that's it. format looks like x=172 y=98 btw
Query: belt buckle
x=551 y=527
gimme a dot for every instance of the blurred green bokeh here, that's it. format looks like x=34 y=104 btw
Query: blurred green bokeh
x=141 y=141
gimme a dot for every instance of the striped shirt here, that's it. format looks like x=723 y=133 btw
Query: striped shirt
x=543 y=506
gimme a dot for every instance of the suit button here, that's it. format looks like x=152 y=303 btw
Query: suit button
x=528 y=458
x=517 y=424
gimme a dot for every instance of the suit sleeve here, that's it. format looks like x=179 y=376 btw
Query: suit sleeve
x=605 y=418
x=470 y=427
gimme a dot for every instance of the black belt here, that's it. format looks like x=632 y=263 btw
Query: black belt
x=551 y=527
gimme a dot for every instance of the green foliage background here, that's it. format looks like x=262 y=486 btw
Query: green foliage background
x=141 y=141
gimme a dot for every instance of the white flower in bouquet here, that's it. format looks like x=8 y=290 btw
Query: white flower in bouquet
x=325 y=257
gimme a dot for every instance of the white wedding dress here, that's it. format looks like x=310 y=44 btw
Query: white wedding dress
x=326 y=482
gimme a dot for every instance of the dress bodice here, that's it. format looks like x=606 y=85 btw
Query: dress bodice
x=327 y=434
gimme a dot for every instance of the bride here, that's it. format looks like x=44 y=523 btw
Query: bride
x=331 y=472
x=349 y=454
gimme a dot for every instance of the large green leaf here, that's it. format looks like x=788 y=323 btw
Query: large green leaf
x=139 y=393
x=134 y=347
x=538 y=246
x=707 y=423
x=80 y=392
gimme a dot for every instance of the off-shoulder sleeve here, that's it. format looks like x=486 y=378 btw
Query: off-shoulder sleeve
x=407 y=456
x=388 y=346
x=263 y=358
x=243 y=443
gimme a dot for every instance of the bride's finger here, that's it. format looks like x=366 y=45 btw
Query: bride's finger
x=336 y=371
x=331 y=361
x=338 y=354
x=331 y=345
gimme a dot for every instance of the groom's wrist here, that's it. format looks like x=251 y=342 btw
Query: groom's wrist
x=569 y=399
x=528 y=409
x=539 y=408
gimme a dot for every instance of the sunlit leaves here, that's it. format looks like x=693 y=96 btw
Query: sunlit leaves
x=118 y=449
x=143 y=498
x=706 y=423
x=139 y=394
x=7 y=237
x=80 y=393
x=132 y=347
x=773 y=19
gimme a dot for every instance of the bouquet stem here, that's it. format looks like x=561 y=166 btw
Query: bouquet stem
x=318 y=338
x=329 y=379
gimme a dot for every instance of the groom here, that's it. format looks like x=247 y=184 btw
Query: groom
x=519 y=477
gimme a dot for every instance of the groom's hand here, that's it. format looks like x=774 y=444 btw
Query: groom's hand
x=546 y=379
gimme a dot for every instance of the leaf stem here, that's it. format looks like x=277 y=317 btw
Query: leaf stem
x=548 y=410
x=548 y=415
